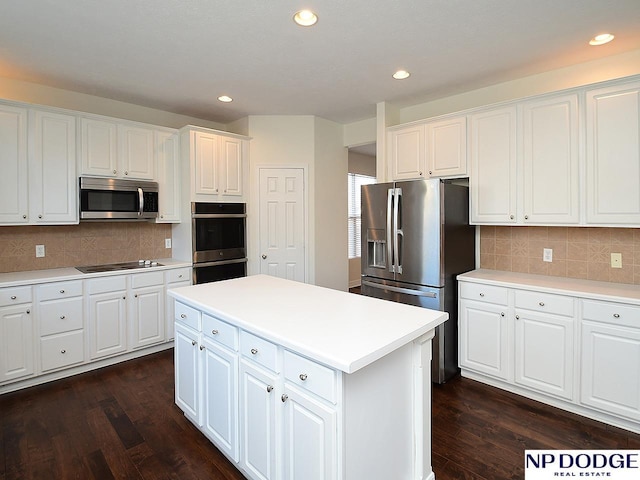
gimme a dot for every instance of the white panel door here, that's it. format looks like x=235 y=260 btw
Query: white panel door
x=14 y=191
x=107 y=324
x=282 y=231
x=99 y=143
x=613 y=155
x=446 y=146
x=231 y=152
x=16 y=342
x=52 y=168
x=206 y=160
x=136 y=152
x=168 y=176
x=187 y=365
x=147 y=316
x=407 y=152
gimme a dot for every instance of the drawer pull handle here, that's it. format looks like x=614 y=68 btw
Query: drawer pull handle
x=517 y=317
x=482 y=294
x=254 y=351
x=183 y=316
x=502 y=314
x=13 y=297
x=193 y=342
x=180 y=276
x=303 y=376
x=62 y=317
x=63 y=351
x=616 y=315
x=269 y=388
x=201 y=347
x=215 y=332
x=61 y=291
x=28 y=311
x=541 y=304
x=284 y=397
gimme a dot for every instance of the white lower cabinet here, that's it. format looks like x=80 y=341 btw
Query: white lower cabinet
x=146 y=309
x=610 y=378
x=16 y=334
x=567 y=349
x=187 y=367
x=107 y=319
x=175 y=278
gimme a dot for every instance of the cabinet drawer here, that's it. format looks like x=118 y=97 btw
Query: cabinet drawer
x=220 y=331
x=484 y=293
x=62 y=350
x=57 y=316
x=114 y=283
x=15 y=296
x=613 y=313
x=187 y=315
x=54 y=291
x=259 y=350
x=544 y=302
x=310 y=375
x=178 y=275
x=150 y=279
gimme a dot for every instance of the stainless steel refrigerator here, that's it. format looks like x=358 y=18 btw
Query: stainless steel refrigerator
x=415 y=239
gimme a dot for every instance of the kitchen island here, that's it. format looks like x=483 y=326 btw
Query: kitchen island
x=294 y=381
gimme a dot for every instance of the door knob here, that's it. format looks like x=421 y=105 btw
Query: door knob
x=264 y=257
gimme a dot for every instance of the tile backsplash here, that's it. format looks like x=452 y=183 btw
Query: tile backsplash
x=83 y=244
x=577 y=252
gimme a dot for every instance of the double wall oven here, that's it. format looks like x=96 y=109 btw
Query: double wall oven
x=219 y=241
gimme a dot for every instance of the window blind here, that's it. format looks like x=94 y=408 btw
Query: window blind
x=355 y=219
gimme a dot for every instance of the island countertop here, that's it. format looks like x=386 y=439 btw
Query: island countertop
x=342 y=330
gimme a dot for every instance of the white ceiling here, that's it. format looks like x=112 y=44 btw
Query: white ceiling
x=180 y=55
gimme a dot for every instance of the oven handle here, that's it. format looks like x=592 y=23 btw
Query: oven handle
x=140 y=200
x=223 y=262
x=218 y=215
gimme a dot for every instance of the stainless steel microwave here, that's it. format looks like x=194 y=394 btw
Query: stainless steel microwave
x=117 y=199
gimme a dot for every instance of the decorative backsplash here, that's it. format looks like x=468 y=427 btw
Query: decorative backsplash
x=577 y=252
x=83 y=244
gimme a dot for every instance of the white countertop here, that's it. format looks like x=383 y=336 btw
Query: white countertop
x=622 y=292
x=342 y=330
x=30 y=277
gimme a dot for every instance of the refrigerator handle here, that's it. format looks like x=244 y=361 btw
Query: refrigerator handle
x=390 y=259
x=397 y=232
x=408 y=291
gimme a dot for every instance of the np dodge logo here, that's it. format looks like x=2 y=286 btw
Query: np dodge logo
x=610 y=464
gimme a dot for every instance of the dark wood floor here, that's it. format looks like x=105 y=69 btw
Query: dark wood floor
x=121 y=422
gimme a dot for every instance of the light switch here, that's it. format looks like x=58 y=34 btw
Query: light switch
x=547 y=255
x=39 y=251
x=616 y=260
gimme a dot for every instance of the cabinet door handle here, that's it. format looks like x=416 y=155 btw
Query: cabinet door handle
x=13 y=297
x=193 y=342
x=303 y=376
x=502 y=314
x=136 y=295
x=511 y=217
x=526 y=217
x=180 y=276
x=126 y=173
x=214 y=332
x=541 y=304
x=28 y=311
x=62 y=317
x=254 y=351
x=24 y=216
x=61 y=291
x=63 y=351
x=482 y=294
x=517 y=317
x=284 y=397
x=616 y=315
x=269 y=388
x=201 y=347
x=114 y=172
x=39 y=216
x=124 y=298
x=183 y=316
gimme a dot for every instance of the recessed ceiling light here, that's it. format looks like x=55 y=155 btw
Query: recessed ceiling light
x=401 y=75
x=601 y=39
x=305 y=18
x=225 y=99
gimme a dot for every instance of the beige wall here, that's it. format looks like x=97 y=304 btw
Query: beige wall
x=83 y=244
x=577 y=252
x=54 y=97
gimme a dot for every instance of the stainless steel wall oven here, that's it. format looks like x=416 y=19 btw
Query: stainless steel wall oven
x=219 y=241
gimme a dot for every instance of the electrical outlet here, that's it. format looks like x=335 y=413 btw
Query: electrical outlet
x=167 y=243
x=39 y=251
x=616 y=260
x=547 y=255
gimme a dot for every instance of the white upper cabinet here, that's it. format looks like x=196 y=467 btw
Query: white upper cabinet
x=13 y=155
x=99 y=147
x=550 y=161
x=407 y=152
x=53 y=189
x=168 y=176
x=613 y=155
x=136 y=152
x=119 y=150
x=446 y=145
x=218 y=162
x=492 y=181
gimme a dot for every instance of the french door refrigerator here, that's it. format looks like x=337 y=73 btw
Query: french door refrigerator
x=415 y=239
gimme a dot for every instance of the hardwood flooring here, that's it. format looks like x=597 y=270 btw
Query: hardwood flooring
x=120 y=422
